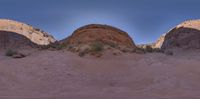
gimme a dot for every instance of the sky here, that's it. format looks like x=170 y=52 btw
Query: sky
x=144 y=20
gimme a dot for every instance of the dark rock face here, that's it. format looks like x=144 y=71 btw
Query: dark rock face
x=182 y=38
x=14 y=40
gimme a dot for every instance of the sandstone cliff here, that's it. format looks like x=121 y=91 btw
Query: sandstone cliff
x=185 y=35
x=35 y=35
x=107 y=35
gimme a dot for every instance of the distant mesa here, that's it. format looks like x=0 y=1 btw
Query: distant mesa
x=35 y=35
x=185 y=35
x=109 y=36
x=13 y=40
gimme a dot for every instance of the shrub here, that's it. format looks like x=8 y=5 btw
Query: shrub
x=44 y=47
x=158 y=50
x=97 y=46
x=14 y=54
x=148 y=48
x=113 y=45
x=55 y=45
x=139 y=51
x=11 y=52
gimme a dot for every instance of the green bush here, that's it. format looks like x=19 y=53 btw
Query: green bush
x=55 y=45
x=58 y=46
x=97 y=46
x=113 y=45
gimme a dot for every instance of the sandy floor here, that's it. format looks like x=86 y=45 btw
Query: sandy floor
x=64 y=75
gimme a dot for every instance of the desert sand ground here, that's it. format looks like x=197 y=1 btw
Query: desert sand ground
x=65 y=75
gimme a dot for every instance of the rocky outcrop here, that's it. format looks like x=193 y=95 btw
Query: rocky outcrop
x=159 y=42
x=11 y=40
x=107 y=35
x=37 y=36
x=185 y=35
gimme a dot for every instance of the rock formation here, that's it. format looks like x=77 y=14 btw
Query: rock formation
x=104 y=34
x=11 y=40
x=35 y=35
x=185 y=35
x=159 y=42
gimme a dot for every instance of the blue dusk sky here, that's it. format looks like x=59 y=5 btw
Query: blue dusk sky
x=144 y=20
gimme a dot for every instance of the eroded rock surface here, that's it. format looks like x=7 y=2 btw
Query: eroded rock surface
x=104 y=34
x=185 y=35
x=12 y=40
x=35 y=35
